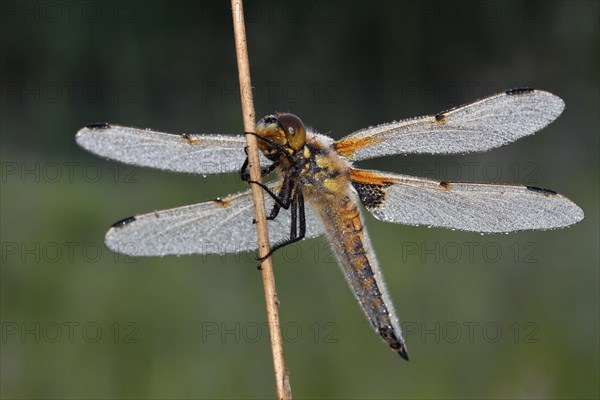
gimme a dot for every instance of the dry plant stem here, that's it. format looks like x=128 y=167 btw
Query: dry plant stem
x=281 y=378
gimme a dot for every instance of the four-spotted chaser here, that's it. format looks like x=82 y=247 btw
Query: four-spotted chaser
x=314 y=169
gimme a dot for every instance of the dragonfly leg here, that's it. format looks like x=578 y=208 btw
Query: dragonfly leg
x=298 y=218
x=245 y=174
x=282 y=200
x=271 y=143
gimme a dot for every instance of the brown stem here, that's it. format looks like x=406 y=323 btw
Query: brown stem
x=239 y=30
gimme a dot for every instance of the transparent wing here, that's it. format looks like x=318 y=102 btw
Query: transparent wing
x=474 y=207
x=196 y=154
x=212 y=227
x=479 y=126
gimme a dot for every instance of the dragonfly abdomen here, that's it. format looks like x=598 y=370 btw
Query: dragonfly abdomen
x=353 y=249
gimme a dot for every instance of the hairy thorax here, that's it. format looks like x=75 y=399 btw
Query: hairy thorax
x=325 y=174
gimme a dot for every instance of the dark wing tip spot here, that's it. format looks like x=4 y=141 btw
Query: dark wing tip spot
x=547 y=192
x=98 y=125
x=440 y=118
x=517 y=91
x=123 y=222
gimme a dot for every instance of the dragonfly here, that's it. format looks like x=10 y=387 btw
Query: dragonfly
x=320 y=190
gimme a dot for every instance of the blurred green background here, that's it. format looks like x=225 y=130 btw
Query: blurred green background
x=502 y=316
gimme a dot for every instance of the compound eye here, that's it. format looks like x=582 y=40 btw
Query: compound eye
x=294 y=130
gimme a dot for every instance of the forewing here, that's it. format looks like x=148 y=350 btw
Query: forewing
x=196 y=154
x=479 y=126
x=212 y=227
x=473 y=207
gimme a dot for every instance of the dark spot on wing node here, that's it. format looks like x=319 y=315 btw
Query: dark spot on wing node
x=445 y=185
x=546 y=192
x=189 y=138
x=98 y=125
x=221 y=202
x=371 y=194
x=519 y=91
x=387 y=333
x=441 y=118
x=123 y=222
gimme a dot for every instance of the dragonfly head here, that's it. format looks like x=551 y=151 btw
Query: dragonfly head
x=286 y=130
